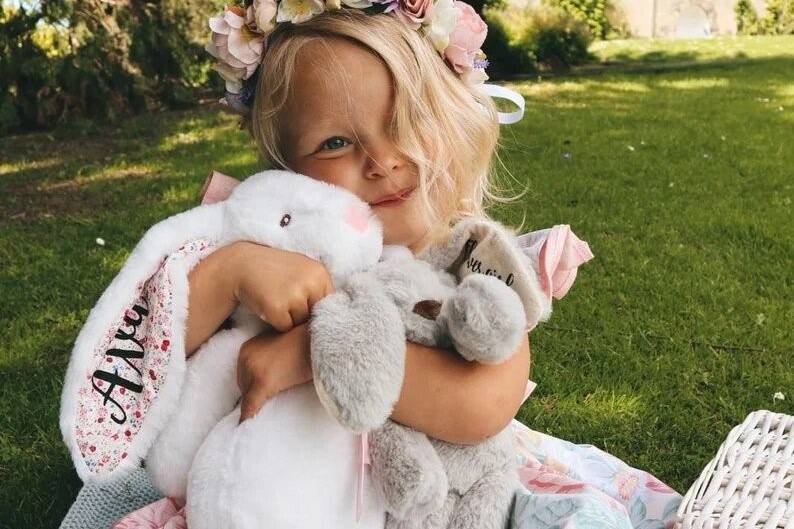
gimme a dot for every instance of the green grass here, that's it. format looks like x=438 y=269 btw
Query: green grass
x=682 y=183
x=716 y=49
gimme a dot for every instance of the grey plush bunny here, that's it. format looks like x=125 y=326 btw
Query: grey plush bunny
x=427 y=483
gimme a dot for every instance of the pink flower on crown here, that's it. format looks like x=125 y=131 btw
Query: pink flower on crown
x=413 y=12
x=466 y=39
x=237 y=44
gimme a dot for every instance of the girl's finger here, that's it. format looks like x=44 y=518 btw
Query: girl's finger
x=252 y=401
x=280 y=320
x=299 y=312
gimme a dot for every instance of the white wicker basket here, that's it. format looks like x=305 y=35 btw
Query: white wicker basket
x=748 y=484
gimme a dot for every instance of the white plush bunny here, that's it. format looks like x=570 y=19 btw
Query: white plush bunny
x=292 y=465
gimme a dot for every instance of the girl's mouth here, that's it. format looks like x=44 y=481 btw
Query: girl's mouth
x=395 y=199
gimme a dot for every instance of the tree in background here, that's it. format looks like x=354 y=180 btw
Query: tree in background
x=778 y=18
x=594 y=13
x=746 y=18
x=98 y=58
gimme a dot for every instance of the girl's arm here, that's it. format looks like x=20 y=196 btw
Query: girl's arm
x=458 y=401
x=443 y=395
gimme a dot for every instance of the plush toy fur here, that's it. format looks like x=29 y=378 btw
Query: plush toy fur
x=292 y=465
x=426 y=483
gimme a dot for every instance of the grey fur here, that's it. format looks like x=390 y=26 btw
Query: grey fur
x=358 y=369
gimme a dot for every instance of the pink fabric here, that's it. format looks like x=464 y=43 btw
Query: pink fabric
x=558 y=253
x=364 y=461
x=166 y=513
x=560 y=257
x=217 y=187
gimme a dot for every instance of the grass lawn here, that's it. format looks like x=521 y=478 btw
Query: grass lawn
x=716 y=49
x=682 y=183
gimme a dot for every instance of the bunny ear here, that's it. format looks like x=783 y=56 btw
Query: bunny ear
x=486 y=247
x=556 y=254
x=217 y=187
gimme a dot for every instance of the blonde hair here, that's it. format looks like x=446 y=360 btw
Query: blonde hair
x=448 y=129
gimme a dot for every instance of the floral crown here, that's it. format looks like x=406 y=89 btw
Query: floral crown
x=239 y=36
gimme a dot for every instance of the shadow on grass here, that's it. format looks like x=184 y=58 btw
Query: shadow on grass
x=56 y=175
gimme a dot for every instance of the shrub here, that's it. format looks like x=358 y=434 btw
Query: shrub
x=746 y=18
x=70 y=59
x=779 y=18
x=594 y=13
x=554 y=38
x=505 y=56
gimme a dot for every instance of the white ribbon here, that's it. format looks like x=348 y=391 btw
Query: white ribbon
x=500 y=92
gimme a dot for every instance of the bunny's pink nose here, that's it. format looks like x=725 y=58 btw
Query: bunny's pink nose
x=357 y=217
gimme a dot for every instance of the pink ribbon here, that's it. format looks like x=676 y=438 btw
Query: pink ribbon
x=364 y=461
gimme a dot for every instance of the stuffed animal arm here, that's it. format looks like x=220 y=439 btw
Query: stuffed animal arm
x=425 y=483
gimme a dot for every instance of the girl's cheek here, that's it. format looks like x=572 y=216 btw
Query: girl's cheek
x=335 y=171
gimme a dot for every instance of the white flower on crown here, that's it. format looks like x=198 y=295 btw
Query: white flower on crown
x=264 y=14
x=297 y=11
x=442 y=23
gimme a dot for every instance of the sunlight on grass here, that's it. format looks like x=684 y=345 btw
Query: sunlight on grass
x=694 y=84
x=714 y=49
x=101 y=175
x=593 y=408
x=179 y=195
x=27 y=165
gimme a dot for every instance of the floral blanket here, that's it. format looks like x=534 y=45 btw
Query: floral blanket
x=565 y=486
x=570 y=486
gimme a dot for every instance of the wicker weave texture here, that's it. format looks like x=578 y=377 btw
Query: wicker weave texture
x=748 y=484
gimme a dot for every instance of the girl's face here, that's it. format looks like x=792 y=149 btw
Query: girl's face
x=335 y=129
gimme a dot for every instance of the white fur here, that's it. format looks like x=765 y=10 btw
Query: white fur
x=161 y=240
x=292 y=465
x=253 y=212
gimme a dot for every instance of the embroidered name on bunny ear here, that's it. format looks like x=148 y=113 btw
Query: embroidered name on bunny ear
x=488 y=248
x=128 y=370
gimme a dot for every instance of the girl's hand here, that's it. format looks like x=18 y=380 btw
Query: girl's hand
x=271 y=363
x=280 y=287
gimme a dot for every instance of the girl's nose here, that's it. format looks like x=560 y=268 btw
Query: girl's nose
x=386 y=161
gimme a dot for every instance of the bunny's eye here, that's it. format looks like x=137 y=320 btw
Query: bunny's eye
x=285 y=220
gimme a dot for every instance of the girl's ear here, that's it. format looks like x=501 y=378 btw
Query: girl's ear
x=217 y=187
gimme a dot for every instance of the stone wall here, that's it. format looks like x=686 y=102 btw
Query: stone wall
x=682 y=18
x=675 y=18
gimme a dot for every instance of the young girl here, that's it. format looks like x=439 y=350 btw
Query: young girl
x=363 y=102
x=386 y=101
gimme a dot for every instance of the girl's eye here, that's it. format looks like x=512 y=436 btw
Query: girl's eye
x=335 y=143
x=285 y=220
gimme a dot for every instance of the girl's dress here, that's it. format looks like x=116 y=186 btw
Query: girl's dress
x=121 y=378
